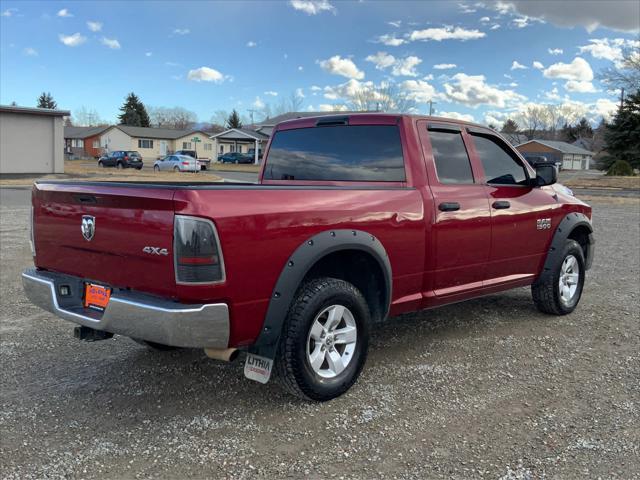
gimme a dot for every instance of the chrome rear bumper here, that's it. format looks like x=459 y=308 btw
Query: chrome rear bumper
x=132 y=314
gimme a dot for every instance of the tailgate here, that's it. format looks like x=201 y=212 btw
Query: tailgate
x=127 y=220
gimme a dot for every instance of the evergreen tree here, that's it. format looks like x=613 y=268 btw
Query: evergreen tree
x=509 y=126
x=45 y=100
x=134 y=112
x=234 y=120
x=622 y=136
x=582 y=129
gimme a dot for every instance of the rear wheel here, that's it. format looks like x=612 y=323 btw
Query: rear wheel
x=324 y=341
x=119 y=166
x=176 y=169
x=156 y=168
x=560 y=292
x=101 y=165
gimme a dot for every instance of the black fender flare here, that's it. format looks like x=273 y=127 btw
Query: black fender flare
x=299 y=264
x=568 y=224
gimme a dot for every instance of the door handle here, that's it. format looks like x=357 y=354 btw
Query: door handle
x=501 y=204
x=449 y=206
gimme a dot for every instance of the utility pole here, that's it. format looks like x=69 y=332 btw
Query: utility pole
x=431 y=104
x=251 y=112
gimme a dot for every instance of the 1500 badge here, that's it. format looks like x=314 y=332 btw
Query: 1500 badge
x=543 y=223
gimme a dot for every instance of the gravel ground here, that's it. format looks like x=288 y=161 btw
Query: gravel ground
x=485 y=389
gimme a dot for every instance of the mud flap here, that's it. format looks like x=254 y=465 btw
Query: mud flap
x=258 y=368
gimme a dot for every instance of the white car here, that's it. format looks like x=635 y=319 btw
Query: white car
x=177 y=163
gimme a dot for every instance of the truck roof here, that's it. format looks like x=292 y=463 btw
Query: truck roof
x=376 y=115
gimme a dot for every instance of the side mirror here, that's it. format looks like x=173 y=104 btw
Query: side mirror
x=546 y=175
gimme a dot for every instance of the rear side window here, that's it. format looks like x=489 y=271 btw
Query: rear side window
x=365 y=153
x=451 y=158
x=501 y=167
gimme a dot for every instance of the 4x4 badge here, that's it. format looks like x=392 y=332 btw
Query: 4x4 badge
x=88 y=227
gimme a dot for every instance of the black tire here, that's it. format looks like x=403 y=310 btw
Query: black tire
x=176 y=169
x=546 y=293
x=155 y=346
x=156 y=168
x=138 y=168
x=100 y=164
x=292 y=367
x=119 y=166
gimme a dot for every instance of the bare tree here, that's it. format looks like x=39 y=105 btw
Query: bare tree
x=175 y=117
x=386 y=97
x=87 y=117
x=626 y=73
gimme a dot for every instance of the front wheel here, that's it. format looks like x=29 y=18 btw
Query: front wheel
x=560 y=291
x=176 y=169
x=100 y=164
x=324 y=340
x=119 y=166
x=156 y=168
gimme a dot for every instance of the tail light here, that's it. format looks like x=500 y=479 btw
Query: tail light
x=126 y=159
x=185 y=163
x=198 y=258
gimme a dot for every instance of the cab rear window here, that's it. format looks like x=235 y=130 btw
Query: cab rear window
x=364 y=153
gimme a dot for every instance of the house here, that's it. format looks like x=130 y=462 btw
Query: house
x=570 y=156
x=31 y=140
x=83 y=142
x=240 y=140
x=153 y=143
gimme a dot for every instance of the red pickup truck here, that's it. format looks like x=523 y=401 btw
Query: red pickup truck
x=355 y=218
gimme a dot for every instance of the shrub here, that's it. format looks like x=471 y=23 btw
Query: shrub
x=620 y=168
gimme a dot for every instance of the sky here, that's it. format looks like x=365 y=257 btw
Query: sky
x=479 y=61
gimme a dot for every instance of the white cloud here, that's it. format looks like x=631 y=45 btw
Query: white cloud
x=428 y=77
x=495 y=27
x=553 y=94
x=400 y=66
x=251 y=44
x=64 y=13
x=538 y=65
x=110 y=42
x=172 y=64
x=94 y=26
x=9 y=12
x=580 y=87
x=555 y=51
x=464 y=8
x=608 y=49
x=313 y=7
x=472 y=90
x=30 y=52
x=419 y=90
x=381 y=60
x=391 y=40
x=299 y=93
x=485 y=19
x=337 y=65
x=444 y=66
x=315 y=88
x=72 y=40
x=446 y=33
x=495 y=117
x=300 y=68
x=578 y=70
x=181 y=31
x=517 y=66
x=258 y=103
x=271 y=93
x=467 y=117
x=148 y=54
x=406 y=67
x=396 y=23
x=346 y=90
x=513 y=84
x=605 y=108
x=205 y=74
x=621 y=15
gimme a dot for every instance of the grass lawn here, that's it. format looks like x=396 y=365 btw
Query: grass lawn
x=231 y=167
x=604 y=182
x=76 y=171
